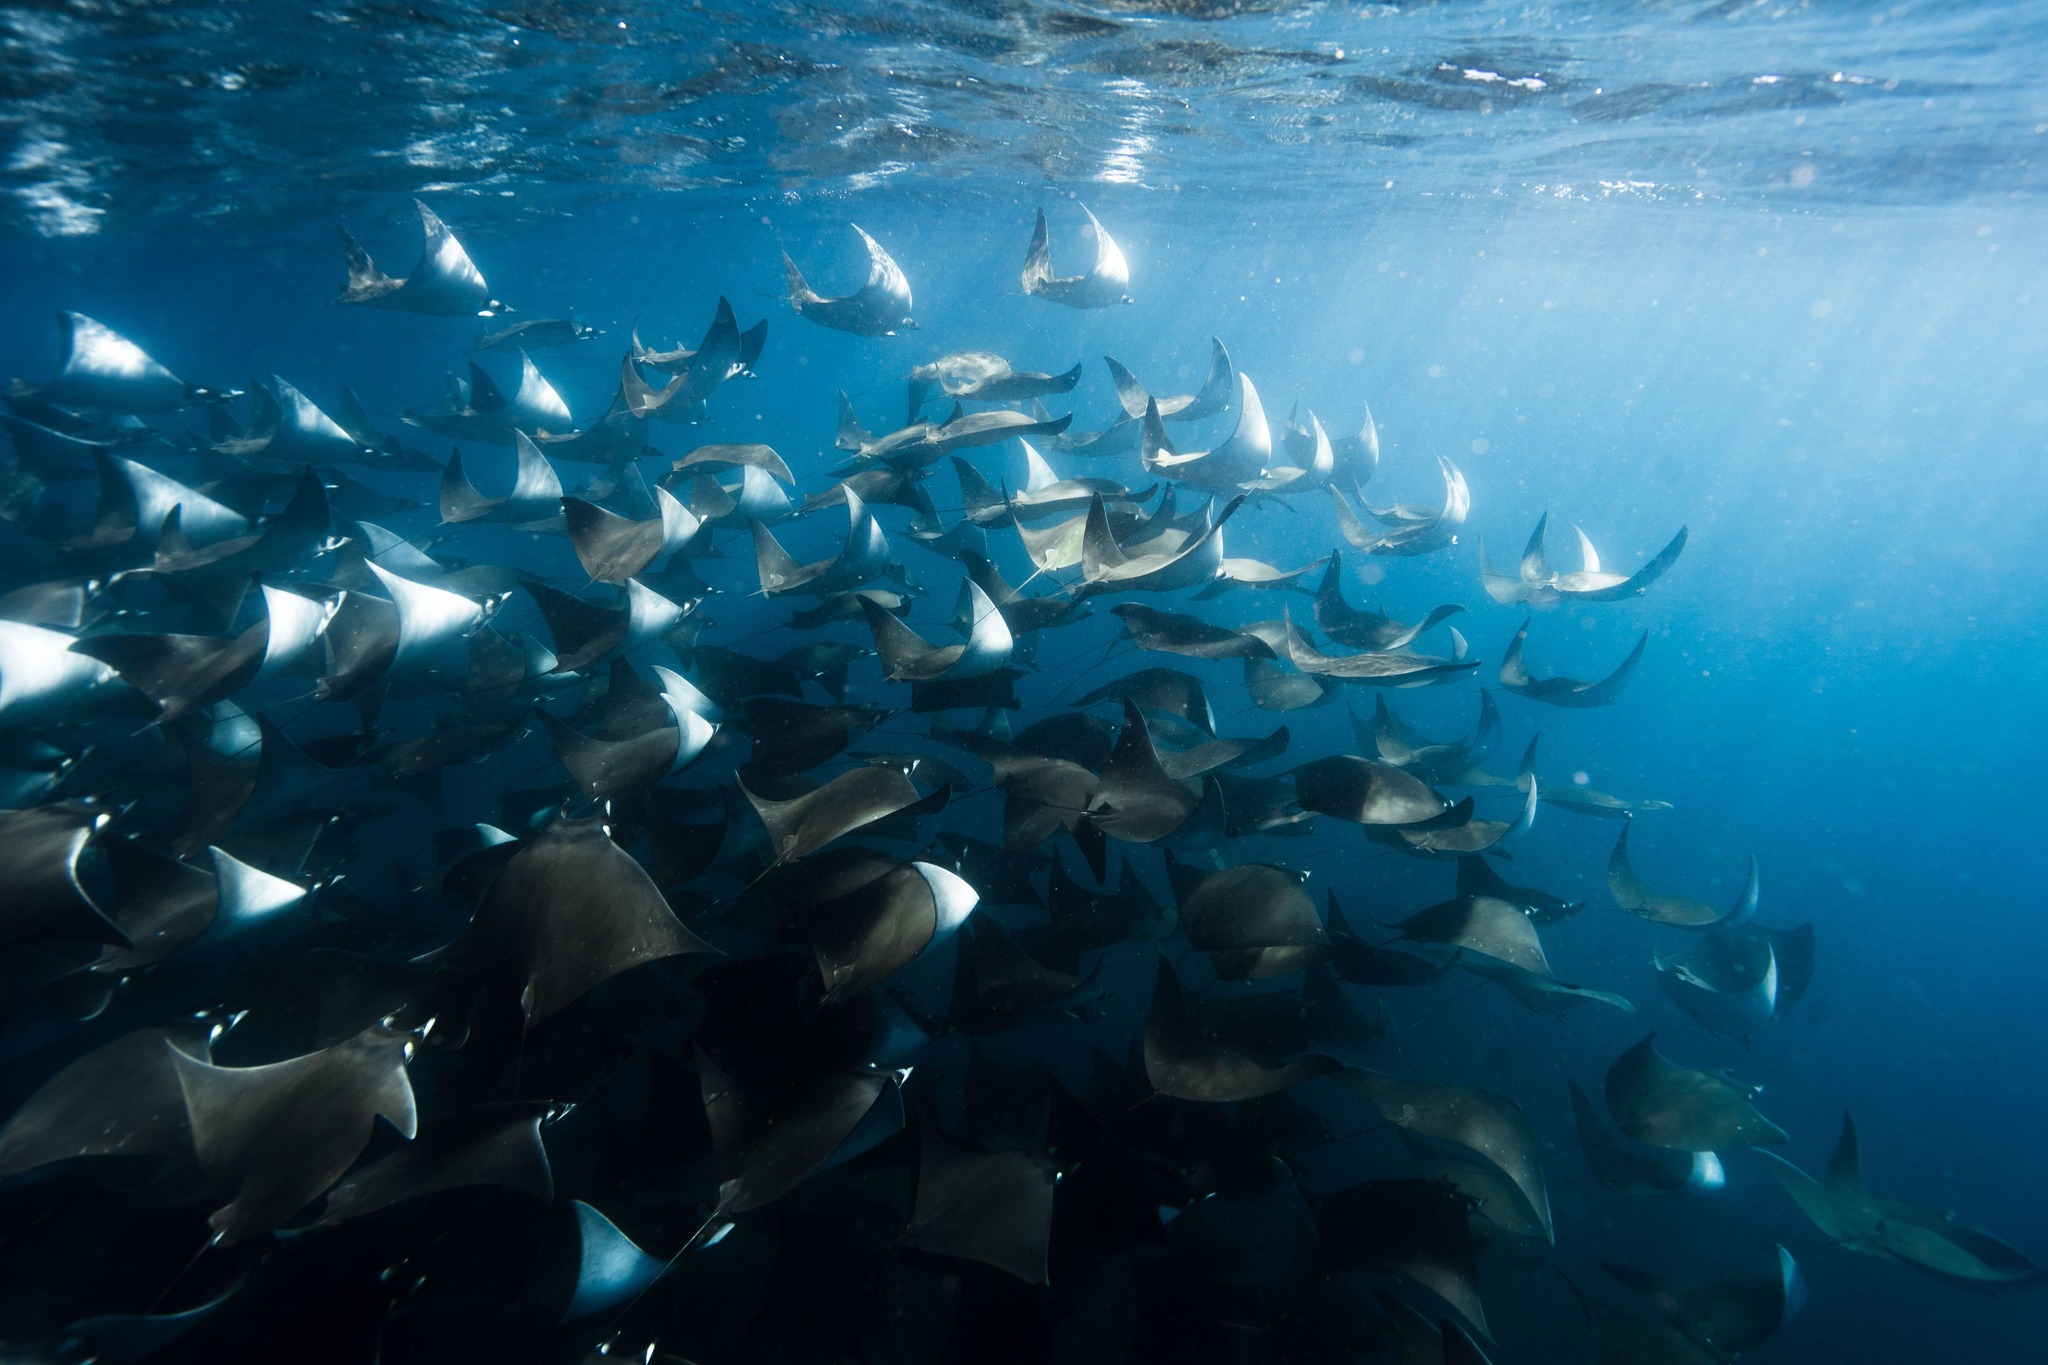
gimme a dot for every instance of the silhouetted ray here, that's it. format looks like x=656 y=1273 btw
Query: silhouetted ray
x=167 y=906
x=586 y=633
x=1363 y=964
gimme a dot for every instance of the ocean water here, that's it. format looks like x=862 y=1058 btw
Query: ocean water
x=1774 y=273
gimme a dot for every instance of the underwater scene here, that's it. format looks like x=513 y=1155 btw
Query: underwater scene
x=1004 y=681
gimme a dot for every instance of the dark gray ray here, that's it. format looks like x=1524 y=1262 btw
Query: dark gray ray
x=865 y=557
x=1192 y=1057
x=478 y=410
x=182 y=673
x=769 y=1139
x=611 y=1269
x=791 y=736
x=1389 y=669
x=998 y=984
x=280 y=543
x=1727 y=980
x=1169 y=632
x=288 y=428
x=1134 y=799
x=1414 y=1230
x=1793 y=949
x=992 y=1207
x=1563 y=691
x=983 y=377
x=166 y=906
x=865 y=916
x=492 y=1144
x=1537 y=584
x=103 y=371
x=1102 y=286
x=120 y=1099
x=1415 y=1341
x=1501 y=1216
x=1480 y=924
x=1729 y=1314
x=445 y=283
x=877 y=308
x=1431 y=760
x=1107 y=566
x=1654 y=1100
x=275 y=1137
x=39 y=866
x=586 y=633
x=1621 y=1339
x=1630 y=1167
x=1214 y=396
x=1160 y=691
x=1254 y=906
x=604 y=769
x=1275 y=686
x=1479 y=1120
x=1412 y=531
x=1677 y=911
x=1473 y=837
x=1359 y=962
x=1927 y=1239
x=1216 y=754
x=1346 y=787
x=802 y=825
x=134 y=502
x=908 y=657
x=740 y=455
x=535 y=496
x=1241 y=461
x=912 y=448
x=531 y=334
x=570 y=910
x=1083 y=920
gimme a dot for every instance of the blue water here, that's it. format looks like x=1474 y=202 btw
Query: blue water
x=1774 y=272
